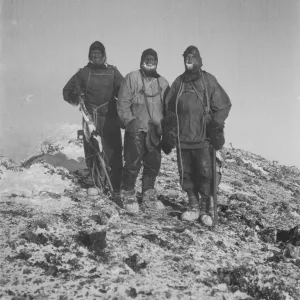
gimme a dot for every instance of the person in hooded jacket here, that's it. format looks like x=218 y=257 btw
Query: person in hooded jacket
x=197 y=107
x=100 y=82
x=140 y=107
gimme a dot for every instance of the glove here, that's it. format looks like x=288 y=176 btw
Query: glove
x=152 y=138
x=169 y=138
x=215 y=133
x=165 y=147
x=132 y=126
x=158 y=129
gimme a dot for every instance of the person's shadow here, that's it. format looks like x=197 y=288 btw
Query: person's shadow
x=58 y=159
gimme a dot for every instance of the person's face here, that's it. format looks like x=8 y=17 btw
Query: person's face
x=97 y=57
x=190 y=61
x=150 y=61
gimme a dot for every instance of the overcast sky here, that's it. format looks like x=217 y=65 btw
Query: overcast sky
x=251 y=46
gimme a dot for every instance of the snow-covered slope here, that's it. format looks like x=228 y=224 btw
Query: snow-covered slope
x=59 y=242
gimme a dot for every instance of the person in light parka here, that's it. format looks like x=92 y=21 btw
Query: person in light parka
x=140 y=108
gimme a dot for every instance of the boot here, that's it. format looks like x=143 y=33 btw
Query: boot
x=205 y=215
x=116 y=197
x=147 y=182
x=151 y=201
x=129 y=201
x=192 y=213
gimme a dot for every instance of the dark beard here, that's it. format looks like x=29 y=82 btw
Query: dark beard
x=190 y=75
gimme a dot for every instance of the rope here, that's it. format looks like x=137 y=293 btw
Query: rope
x=177 y=120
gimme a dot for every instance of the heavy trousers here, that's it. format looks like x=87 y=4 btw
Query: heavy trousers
x=195 y=170
x=136 y=154
x=112 y=152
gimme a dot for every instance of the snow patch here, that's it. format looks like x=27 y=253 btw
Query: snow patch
x=225 y=187
x=32 y=181
x=254 y=166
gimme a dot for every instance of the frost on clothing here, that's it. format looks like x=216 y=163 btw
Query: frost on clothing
x=131 y=102
x=100 y=86
x=191 y=108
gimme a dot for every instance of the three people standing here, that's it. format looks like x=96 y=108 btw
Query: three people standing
x=189 y=116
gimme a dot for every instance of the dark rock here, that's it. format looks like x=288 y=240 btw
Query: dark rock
x=132 y=293
x=22 y=255
x=132 y=262
x=74 y=198
x=94 y=241
x=292 y=251
x=51 y=271
x=268 y=235
x=34 y=238
x=39 y=224
x=100 y=218
x=153 y=238
x=240 y=197
x=98 y=240
x=15 y=213
x=292 y=235
x=277 y=257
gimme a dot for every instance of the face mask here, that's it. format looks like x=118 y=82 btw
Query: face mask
x=192 y=64
x=149 y=67
x=189 y=66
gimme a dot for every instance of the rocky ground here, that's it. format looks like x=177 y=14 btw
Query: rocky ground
x=60 y=242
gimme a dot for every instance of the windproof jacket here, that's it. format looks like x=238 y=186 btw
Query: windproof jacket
x=195 y=104
x=131 y=100
x=100 y=87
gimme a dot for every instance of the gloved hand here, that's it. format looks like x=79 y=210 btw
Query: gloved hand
x=152 y=138
x=132 y=126
x=215 y=133
x=165 y=147
x=158 y=129
x=74 y=96
x=169 y=137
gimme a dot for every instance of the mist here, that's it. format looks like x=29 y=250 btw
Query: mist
x=251 y=47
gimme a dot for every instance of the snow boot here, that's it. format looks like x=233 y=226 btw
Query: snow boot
x=205 y=211
x=116 y=197
x=151 y=201
x=129 y=201
x=192 y=213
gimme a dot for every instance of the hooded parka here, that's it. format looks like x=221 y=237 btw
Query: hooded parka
x=100 y=85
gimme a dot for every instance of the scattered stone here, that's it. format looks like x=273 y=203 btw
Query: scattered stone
x=292 y=235
x=222 y=287
x=92 y=191
x=206 y=220
x=34 y=238
x=292 y=251
x=132 y=293
x=242 y=196
x=39 y=224
x=95 y=241
x=100 y=218
x=132 y=262
x=237 y=183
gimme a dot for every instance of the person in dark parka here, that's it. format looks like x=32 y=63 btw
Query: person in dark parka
x=197 y=107
x=100 y=84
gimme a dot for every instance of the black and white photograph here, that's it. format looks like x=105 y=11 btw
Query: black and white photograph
x=149 y=149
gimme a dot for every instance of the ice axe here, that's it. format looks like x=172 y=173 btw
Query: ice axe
x=95 y=135
x=214 y=186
